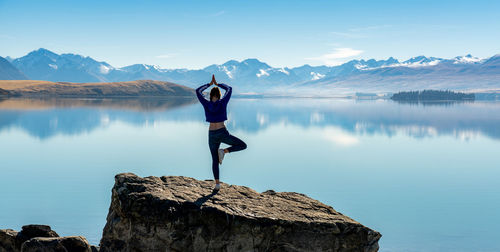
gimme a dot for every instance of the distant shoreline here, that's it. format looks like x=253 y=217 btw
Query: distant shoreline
x=162 y=89
x=126 y=89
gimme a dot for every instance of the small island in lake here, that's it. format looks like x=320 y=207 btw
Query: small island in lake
x=432 y=95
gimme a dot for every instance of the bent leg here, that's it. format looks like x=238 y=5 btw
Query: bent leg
x=236 y=143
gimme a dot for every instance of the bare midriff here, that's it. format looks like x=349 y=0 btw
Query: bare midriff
x=216 y=125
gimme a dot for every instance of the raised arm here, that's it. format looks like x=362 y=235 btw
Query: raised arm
x=227 y=94
x=199 y=93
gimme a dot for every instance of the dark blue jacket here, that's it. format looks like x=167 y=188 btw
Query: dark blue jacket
x=215 y=111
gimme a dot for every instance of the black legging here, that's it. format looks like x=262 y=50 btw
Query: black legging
x=215 y=138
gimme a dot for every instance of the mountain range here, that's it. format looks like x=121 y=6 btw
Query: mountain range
x=466 y=73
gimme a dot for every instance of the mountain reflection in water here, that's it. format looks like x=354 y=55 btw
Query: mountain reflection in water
x=44 y=118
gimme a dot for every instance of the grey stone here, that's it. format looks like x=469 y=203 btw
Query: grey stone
x=183 y=214
x=33 y=230
x=9 y=241
x=57 y=244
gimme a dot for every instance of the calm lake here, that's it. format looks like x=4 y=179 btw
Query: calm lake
x=424 y=175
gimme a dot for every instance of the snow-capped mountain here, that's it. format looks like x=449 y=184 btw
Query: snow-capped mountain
x=252 y=72
x=251 y=75
x=463 y=73
x=43 y=64
x=467 y=59
x=9 y=72
x=421 y=61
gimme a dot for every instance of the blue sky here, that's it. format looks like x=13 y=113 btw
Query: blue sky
x=194 y=34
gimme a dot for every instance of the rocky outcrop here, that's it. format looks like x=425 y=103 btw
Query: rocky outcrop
x=68 y=243
x=30 y=231
x=9 y=241
x=41 y=238
x=183 y=214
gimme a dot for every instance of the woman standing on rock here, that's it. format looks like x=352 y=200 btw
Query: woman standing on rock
x=215 y=113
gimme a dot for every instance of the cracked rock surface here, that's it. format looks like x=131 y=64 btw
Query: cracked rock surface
x=173 y=213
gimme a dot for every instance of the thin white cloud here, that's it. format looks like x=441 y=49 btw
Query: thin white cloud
x=337 y=56
x=358 y=32
x=366 y=28
x=220 y=13
x=207 y=15
x=348 y=34
x=166 y=56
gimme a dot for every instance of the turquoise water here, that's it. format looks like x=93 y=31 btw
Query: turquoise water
x=425 y=176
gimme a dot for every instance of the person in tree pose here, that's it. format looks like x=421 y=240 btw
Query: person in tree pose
x=216 y=114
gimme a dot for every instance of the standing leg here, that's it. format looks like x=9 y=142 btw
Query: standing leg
x=213 y=144
x=236 y=143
